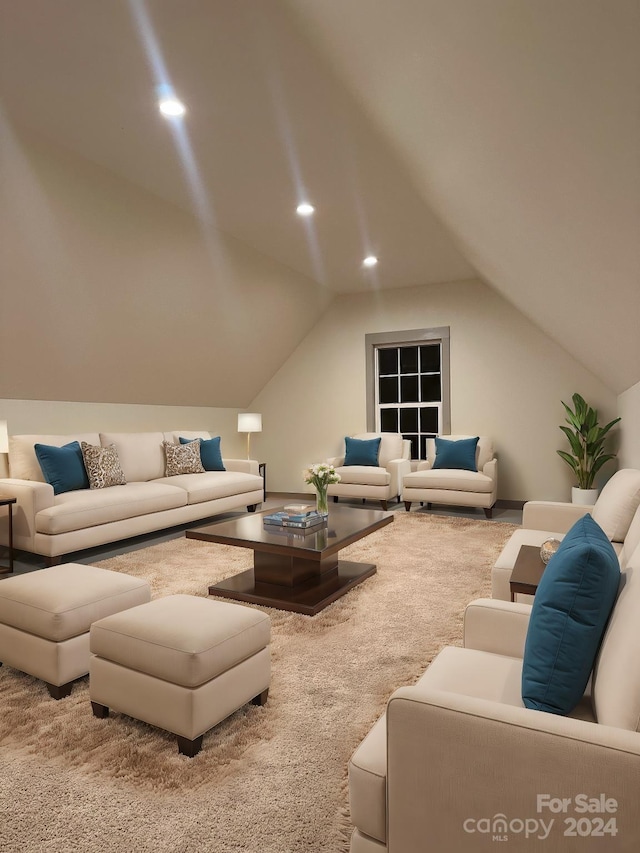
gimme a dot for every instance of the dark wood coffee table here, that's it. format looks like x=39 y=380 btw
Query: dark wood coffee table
x=293 y=569
x=527 y=571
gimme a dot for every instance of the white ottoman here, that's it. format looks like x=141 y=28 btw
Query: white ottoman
x=182 y=663
x=45 y=618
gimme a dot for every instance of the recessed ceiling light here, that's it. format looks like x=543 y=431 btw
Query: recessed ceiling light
x=305 y=209
x=370 y=261
x=171 y=107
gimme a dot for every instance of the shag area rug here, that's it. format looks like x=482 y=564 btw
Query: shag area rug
x=269 y=779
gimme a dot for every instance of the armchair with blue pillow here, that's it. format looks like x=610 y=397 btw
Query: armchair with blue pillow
x=460 y=470
x=372 y=468
x=529 y=733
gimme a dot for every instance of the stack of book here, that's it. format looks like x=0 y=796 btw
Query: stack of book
x=300 y=519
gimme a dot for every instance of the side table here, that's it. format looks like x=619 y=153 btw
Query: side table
x=262 y=470
x=527 y=571
x=7 y=501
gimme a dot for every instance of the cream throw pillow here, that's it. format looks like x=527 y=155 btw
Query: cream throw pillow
x=103 y=466
x=183 y=458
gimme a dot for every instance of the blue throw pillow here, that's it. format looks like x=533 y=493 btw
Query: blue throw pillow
x=570 y=611
x=361 y=451
x=62 y=467
x=210 y=454
x=460 y=454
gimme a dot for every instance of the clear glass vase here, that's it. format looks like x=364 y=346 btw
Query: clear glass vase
x=322 y=501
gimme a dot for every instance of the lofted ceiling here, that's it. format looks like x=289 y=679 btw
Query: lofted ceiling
x=268 y=124
x=450 y=138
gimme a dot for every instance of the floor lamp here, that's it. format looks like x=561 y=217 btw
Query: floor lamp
x=249 y=422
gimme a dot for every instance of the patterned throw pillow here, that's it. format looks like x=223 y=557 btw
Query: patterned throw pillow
x=183 y=458
x=103 y=466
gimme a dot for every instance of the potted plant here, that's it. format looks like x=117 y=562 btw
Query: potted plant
x=587 y=454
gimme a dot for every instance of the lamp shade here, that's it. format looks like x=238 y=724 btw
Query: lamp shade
x=4 y=437
x=249 y=422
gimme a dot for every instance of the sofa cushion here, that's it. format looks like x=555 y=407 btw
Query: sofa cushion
x=363 y=475
x=141 y=454
x=570 y=610
x=62 y=467
x=212 y=485
x=617 y=503
x=88 y=508
x=616 y=677
x=450 y=479
x=210 y=454
x=460 y=454
x=183 y=458
x=361 y=451
x=23 y=463
x=102 y=465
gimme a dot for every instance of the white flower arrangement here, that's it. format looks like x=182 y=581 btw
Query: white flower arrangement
x=321 y=475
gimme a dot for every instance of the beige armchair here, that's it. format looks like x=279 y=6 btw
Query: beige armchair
x=616 y=511
x=369 y=482
x=453 y=486
x=458 y=763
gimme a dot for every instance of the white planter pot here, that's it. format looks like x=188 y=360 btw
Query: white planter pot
x=583 y=497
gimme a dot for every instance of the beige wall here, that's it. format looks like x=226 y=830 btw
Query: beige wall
x=507 y=380
x=61 y=418
x=111 y=294
x=629 y=411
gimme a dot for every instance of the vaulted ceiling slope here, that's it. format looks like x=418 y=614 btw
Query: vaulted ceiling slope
x=448 y=137
x=520 y=123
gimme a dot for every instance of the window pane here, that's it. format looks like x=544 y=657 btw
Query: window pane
x=408 y=420
x=430 y=358
x=387 y=361
x=430 y=387
x=409 y=389
x=414 y=445
x=389 y=420
x=409 y=360
x=429 y=420
x=389 y=389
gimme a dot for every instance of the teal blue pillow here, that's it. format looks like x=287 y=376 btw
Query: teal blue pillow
x=570 y=611
x=210 y=454
x=62 y=467
x=361 y=451
x=460 y=454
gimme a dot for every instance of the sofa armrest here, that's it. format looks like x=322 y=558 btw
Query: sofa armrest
x=552 y=515
x=500 y=627
x=425 y=465
x=336 y=461
x=398 y=469
x=245 y=466
x=457 y=764
x=490 y=469
x=31 y=497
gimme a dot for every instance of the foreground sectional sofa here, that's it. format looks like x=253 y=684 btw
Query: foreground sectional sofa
x=54 y=525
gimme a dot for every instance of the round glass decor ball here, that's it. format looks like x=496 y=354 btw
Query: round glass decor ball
x=548 y=549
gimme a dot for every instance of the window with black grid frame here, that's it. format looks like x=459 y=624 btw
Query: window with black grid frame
x=409 y=385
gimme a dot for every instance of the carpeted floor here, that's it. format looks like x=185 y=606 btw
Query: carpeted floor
x=270 y=779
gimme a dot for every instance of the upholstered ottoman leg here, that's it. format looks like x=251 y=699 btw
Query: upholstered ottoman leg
x=189 y=747
x=59 y=691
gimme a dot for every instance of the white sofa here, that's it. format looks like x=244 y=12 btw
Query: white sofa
x=616 y=511
x=458 y=763
x=54 y=525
